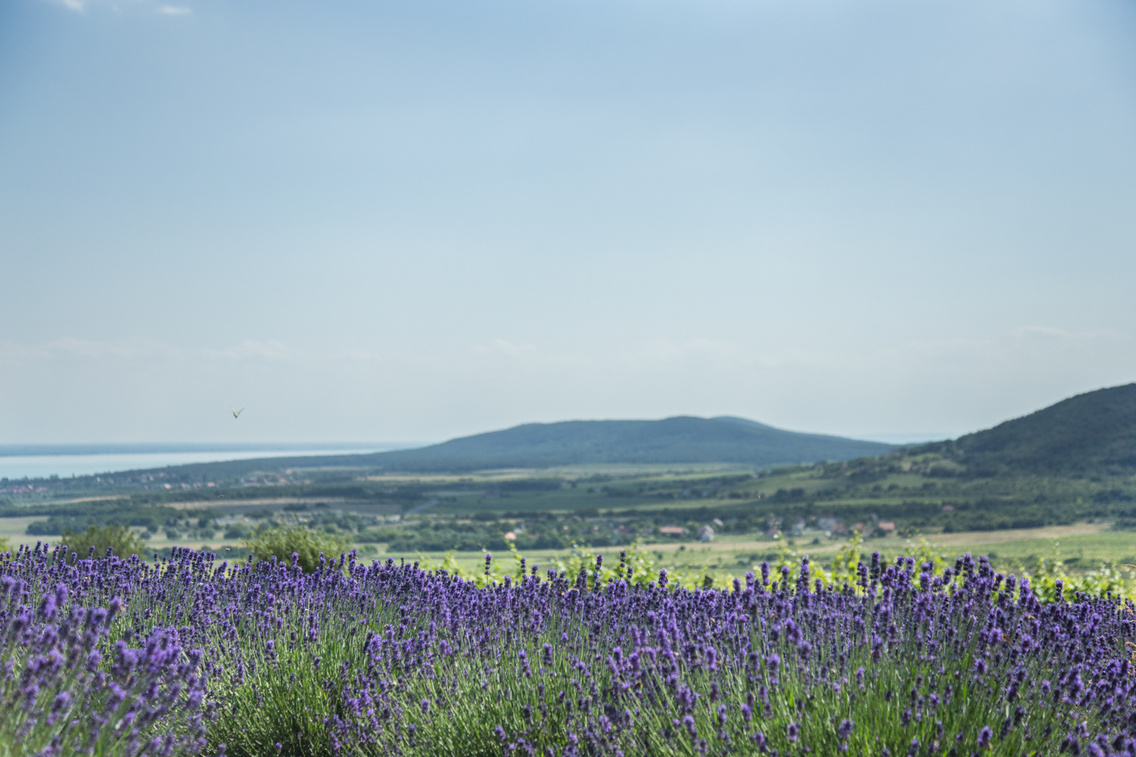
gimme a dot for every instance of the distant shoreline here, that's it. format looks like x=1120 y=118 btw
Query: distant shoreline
x=33 y=462
x=153 y=448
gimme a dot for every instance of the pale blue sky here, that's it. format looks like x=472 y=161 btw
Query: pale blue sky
x=414 y=220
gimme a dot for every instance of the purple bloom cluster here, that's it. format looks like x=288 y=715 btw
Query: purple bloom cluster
x=389 y=659
x=71 y=680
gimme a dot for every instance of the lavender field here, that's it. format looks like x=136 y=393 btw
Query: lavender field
x=186 y=656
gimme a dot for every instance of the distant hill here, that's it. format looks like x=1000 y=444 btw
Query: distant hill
x=1091 y=432
x=545 y=445
x=673 y=440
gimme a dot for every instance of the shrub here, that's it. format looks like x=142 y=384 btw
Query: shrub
x=119 y=539
x=236 y=531
x=282 y=542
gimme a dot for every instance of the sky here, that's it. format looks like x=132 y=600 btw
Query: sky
x=409 y=221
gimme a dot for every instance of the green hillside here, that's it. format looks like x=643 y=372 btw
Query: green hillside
x=673 y=440
x=1093 y=432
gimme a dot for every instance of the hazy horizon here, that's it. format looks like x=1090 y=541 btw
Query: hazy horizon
x=14 y=468
x=31 y=461
x=96 y=447
x=434 y=219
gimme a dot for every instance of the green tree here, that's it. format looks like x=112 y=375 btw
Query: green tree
x=119 y=539
x=282 y=542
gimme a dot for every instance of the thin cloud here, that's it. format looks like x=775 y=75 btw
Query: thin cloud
x=512 y=349
x=80 y=6
x=72 y=5
x=1040 y=340
x=657 y=352
x=1048 y=332
x=68 y=348
x=252 y=349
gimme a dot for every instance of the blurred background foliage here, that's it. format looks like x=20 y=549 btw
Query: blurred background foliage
x=102 y=541
x=306 y=544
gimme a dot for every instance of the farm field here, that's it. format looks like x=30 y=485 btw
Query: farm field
x=1080 y=546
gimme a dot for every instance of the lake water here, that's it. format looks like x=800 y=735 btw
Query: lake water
x=17 y=466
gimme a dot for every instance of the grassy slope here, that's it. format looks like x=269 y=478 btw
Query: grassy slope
x=1090 y=433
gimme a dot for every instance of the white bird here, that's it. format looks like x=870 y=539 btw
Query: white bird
x=237 y=413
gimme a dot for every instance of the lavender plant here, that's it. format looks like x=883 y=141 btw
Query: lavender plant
x=65 y=688
x=391 y=659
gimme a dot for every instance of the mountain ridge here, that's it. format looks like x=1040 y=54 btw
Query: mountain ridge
x=679 y=439
x=1089 y=432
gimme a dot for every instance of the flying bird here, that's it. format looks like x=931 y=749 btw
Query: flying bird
x=237 y=413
